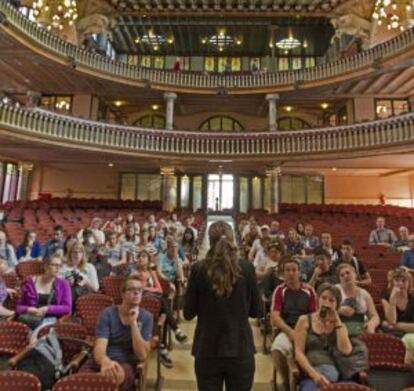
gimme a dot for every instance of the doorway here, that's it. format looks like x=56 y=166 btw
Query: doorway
x=220 y=193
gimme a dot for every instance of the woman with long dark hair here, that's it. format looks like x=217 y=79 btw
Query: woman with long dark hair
x=222 y=293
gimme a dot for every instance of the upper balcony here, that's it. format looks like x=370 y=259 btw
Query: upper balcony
x=370 y=138
x=398 y=50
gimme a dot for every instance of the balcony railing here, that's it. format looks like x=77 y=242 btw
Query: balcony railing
x=196 y=80
x=40 y=124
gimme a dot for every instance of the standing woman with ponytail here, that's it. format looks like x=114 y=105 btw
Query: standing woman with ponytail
x=222 y=293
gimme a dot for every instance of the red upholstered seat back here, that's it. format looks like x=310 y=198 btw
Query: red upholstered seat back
x=85 y=382
x=385 y=351
x=14 y=337
x=111 y=286
x=29 y=268
x=89 y=308
x=19 y=381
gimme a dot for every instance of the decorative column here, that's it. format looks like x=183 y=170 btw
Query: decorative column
x=169 y=97
x=272 y=99
x=169 y=192
x=273 y=174
x=25 y=169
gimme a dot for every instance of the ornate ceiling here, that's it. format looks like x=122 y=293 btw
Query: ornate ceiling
x=190 y=35
x=283 y=6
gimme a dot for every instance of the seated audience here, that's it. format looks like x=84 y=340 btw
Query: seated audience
x=5 y=313
x=401 y=244
x=156 y=240
x=81 y=274
x=398 y=304
x=293 y=243
x=116 y=225
x=30 y=249
x=270 y=261
x=130 y=239
x=347 y=256
x=275 y=230
x=112 y=250
x=188 y=223
x=45 y=297
x=174 y=222
x=152 y=287
x=300 y=229
x=151 y=222
x=130 y=220
x=357 y=309
x=290 y=300
x=145 y=244
x=8 y=260
x=316 y=336
x=326 y=244
x=261 y=253
x=189 y=245
x=257 y=243
x=55 y=244
x=123 y=334
x=170 y=265
x=98 y=236
x=251 y=223
x=382 y=236
x=323 y=272
x=407 y=257
x=310 y=240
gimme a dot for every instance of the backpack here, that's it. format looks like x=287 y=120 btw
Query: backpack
x=44 y=360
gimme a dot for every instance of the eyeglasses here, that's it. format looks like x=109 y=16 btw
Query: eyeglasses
x=58 y=265
x=134 y=290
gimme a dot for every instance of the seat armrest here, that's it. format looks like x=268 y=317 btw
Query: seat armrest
x=76 y=362
x=13 y=361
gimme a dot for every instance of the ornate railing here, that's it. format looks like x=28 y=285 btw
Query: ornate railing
x=67 y=130
x=196 y=80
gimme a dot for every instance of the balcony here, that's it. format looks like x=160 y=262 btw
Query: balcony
x=382 y=136
x=15 y=24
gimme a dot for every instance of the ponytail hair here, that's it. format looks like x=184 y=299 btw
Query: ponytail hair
x=221 y=262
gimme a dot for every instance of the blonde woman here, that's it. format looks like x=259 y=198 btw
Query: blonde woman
x=357 y=308
x=398 y=304
x=79 y=272
x=222 y=293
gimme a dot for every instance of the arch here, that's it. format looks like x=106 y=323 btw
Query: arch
x=221 y=123
x=155 y=121
x=292 y=123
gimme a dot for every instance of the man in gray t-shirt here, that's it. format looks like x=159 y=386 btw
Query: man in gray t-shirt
x=382 y=236
x=123 y=334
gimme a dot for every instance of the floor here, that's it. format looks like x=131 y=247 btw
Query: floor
x=181 y=376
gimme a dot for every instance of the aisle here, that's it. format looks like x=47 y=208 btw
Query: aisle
x=181 y=377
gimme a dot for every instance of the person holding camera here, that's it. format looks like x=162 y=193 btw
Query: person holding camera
x=81 y=274
x=316 y=335
x=357 y=308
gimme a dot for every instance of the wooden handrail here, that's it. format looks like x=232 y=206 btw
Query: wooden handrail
x=104 y=66
x=369 y=135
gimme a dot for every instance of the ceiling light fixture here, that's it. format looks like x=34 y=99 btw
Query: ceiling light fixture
x=155 y=107
x=392 y=13
x=288 y=108
x=288 y=43
x=118 y=103
x=55 y=14
x=324 y=105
